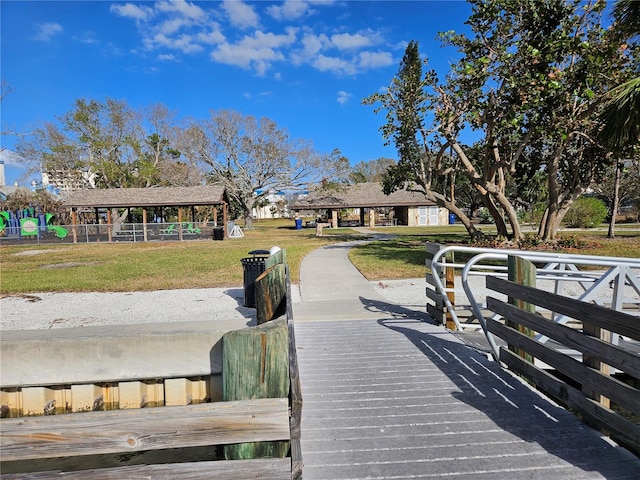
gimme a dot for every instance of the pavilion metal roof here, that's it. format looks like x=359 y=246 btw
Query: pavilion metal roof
x=146 y=197
x=359 y=195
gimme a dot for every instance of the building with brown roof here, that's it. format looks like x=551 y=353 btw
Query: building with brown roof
x=99 y=200
x=367 y=204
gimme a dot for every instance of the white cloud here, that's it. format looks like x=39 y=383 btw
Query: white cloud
x=88 y=37
x=11 y=158
x=212 y=37
x=347 y=41
x=289 y=10
x=137 y=12
x=375 y=59
x=295 y=9
x=177 y=25
x=312 y=45
x=173 y=27
x=166 y=57
x=185 y=43
x=183 y=9
x=258 y=51
x=334 y=64
x=46 y=31
x=240 y=14
x=343 y=97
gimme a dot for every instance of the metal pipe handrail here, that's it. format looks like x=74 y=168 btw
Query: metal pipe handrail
x=617 y=267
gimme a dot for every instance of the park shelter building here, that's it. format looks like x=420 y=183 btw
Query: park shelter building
x=154 y=199
x=366 y=204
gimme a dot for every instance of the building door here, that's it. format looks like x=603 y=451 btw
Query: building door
x=423 y=216
x=433 y=215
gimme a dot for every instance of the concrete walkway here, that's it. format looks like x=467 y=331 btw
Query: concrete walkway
x=389 y=395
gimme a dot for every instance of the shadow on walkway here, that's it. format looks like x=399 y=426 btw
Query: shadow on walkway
x=518 y=410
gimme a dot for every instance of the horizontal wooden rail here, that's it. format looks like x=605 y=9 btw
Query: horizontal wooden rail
x=574 y=360
x=265 y=469
x=126 y=431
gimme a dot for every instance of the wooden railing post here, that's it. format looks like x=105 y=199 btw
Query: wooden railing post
x=449 y=277
x=255 y=364
x=522 y=272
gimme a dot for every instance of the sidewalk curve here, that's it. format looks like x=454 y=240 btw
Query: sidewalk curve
x=331 y=288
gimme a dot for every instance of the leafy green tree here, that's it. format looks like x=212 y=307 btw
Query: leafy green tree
x=531 y=80
x=621 y=117
x=406 y=103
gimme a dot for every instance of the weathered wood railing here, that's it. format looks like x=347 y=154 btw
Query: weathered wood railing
x=188 y=438
x=582 y=360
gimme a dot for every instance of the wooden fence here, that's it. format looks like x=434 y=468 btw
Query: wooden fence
x=169 y=441
x=579 y=368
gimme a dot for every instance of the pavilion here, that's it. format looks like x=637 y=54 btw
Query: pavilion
x=372 y=206
x=146 y=199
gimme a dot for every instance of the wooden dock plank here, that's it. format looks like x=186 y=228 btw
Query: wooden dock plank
x=406 y=399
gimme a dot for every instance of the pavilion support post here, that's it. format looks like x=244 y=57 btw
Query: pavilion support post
x=372 y=217
x=362 y=221
x=224 y=220
x=334 y=218
x=74 y=223
x=144 y=224
x=109 y=224
x=97 y=212
x=180 y=223
x=215 y=216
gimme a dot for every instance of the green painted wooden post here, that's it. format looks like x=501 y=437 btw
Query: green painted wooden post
x=255 y=364
x=522 y=272
x=270 y=292
x=278 y=257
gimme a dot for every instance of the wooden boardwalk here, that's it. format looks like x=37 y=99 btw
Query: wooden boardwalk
x=404 y=399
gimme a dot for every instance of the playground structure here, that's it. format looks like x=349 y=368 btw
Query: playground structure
x=29 y=222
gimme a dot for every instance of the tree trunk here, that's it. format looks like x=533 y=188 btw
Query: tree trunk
x=501 y=226
x=442 y=201
x=248 y=214
x=614 y=206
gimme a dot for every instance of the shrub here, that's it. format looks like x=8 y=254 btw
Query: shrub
x=586 y=212
x=485 y=216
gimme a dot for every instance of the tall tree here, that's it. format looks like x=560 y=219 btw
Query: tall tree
x=407 y=103
x=252 y=157
x=621 y=117
x=530 y=79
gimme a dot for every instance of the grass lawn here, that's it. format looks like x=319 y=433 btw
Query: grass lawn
x=205 y=264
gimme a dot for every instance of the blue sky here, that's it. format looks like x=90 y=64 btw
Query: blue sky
x=306 y=64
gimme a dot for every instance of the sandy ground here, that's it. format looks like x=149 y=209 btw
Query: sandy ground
x=67 y=310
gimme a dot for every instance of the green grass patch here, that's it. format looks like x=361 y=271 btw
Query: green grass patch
x=150 y=266
x=123 y=267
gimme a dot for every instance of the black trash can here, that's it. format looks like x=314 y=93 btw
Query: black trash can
x=253 y=267
x=218 y=233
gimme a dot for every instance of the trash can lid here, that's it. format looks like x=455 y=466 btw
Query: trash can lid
x=259 y=252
